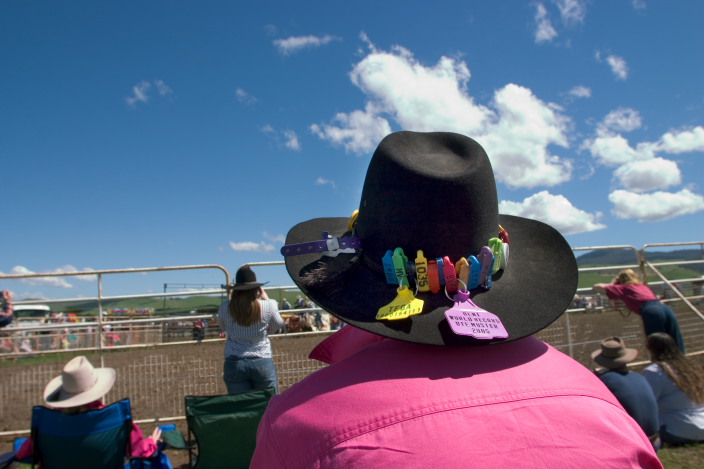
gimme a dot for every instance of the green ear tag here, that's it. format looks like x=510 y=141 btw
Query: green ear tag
x=404 y=305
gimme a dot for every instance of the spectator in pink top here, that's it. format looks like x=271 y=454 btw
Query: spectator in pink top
x=447 y=379
x=640 y=299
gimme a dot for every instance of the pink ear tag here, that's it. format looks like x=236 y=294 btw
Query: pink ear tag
x=404 y=305
x=466 y=318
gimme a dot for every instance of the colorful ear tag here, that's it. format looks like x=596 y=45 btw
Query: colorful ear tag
x=462 y=270
x=422 y=272
x=411 y=271
x=466 y=318
x=475 y=268
x=448 y=269
x=486 y=257
x=389 y=270
x=503 y=235
x=504 y=258
x=399 y=260
x=433 y=276
x=441 y=275
x=497 y=250
x=404 y=305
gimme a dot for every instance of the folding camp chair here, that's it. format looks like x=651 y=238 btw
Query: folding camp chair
x=225 y=428
x=92 y=439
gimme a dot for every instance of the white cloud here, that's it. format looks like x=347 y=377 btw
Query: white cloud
x=162 y=88
x=612 y=149
x=544 y=31
x=657 y=206
x=139 y=94
x=556 y=211
x=580 y=92
x=518 y=141
x=322 y=181
x=244 y=97
x=284 y=138
x=622 y=120
x=432 y=98
x=59 y=282
x=649 y=175
x=291 y=140
x=275 y=238
x=618 y=65
x=357 y=131
x=571 y=11
x=251 y=246
x=684 y=141
x=295 y=44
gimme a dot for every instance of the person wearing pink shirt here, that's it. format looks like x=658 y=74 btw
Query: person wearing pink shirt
x=80 y=388
x=640 y=299
x=438 y=367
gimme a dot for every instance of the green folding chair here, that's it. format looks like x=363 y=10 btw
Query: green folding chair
x=223 y=428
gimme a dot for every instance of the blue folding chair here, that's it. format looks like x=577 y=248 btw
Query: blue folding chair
x=92 y=439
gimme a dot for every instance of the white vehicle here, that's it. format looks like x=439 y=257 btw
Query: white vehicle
x=31 y=315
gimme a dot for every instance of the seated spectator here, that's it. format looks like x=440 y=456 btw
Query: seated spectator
x=7 y=312
x=80 y=388
x=425 y=376
x=630 y=388
x=678 y=384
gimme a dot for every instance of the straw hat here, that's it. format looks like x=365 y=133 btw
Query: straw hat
x=78 y=384
x=613 y=353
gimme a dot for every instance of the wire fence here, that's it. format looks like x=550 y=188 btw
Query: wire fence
x=158 y=362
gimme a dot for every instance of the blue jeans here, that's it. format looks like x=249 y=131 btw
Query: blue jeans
x=658 y=317
x=248 y=374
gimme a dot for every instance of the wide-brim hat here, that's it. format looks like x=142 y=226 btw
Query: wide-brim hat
x=245 y=279
x=613 y=353
x=433 y=192
x=79 y=383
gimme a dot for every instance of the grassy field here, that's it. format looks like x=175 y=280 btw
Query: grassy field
x=683 y=457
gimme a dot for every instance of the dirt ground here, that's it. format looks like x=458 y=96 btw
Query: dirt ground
x=191 y=369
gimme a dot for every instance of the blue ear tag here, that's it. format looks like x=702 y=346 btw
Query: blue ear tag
x=411 y=271
x=399 y=260
x=495 y=245
x=466 y=318
x=475 y=268
x=440 y=271
x=486 y=257
x=389 y=270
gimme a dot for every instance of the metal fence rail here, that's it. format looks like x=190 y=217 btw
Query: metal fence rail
x=157 y=373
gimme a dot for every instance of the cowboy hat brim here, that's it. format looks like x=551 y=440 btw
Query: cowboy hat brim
x=537 y=286
x=53 y=396
x=607 y=362
x=246 y=286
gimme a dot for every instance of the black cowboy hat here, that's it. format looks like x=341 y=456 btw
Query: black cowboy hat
x=433 y=192
x=245 y=279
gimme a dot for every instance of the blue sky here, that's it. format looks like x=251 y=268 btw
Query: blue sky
x=162 y=133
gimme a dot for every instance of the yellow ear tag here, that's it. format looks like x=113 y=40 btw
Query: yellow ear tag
x=404 y=305
x=462 y=270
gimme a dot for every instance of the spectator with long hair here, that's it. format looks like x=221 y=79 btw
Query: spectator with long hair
x=678 y=384
x=246 y=319
x=640 y=299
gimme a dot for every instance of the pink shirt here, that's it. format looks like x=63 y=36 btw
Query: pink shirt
x=385 y=403
x=633 y=295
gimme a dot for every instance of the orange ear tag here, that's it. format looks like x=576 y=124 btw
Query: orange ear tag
x=462 y=270
x=404 y=305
